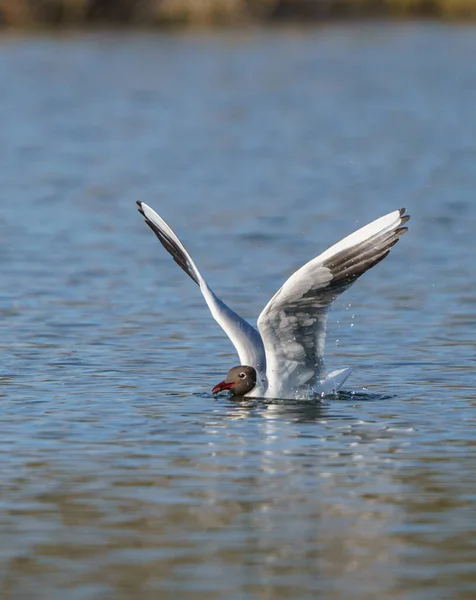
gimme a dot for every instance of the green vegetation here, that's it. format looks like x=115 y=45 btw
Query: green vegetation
x=74 y=13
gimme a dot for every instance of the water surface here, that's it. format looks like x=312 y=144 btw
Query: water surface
x=121 y=476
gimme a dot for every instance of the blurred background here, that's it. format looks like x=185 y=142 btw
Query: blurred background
x=53 y=13
x=122 y=477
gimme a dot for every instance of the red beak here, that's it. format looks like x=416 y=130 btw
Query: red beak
x=222 y=386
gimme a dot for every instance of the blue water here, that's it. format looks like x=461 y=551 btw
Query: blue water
x=122 y=477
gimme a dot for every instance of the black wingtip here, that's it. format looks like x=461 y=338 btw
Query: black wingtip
x=141 y=210
x=400 y=231
x=170 y=245
x=403 y=217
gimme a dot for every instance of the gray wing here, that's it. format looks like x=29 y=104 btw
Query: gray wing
x=293 y=323
x=243 y=336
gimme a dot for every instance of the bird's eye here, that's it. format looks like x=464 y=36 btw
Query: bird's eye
x=242 y=375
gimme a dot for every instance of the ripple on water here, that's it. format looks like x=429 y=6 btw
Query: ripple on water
x=121 y=475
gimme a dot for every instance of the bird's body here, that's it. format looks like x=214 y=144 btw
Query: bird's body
x=287 y=351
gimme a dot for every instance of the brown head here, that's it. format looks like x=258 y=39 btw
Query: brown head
x=239 y=381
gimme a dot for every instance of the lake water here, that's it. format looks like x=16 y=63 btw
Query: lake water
x=121 y=476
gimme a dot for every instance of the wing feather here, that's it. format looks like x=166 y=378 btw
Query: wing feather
x=243 y=336
x=293 y=323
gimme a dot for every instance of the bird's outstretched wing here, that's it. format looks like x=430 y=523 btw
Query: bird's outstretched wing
x=293 y=323
x=243 y=336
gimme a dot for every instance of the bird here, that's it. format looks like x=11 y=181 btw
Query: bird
x=284 y=357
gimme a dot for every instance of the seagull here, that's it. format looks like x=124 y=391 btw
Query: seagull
x=284 y=358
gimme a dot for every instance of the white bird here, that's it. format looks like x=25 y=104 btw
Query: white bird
x=285 y=358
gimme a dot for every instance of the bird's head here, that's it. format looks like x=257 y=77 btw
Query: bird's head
x=239 y=381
